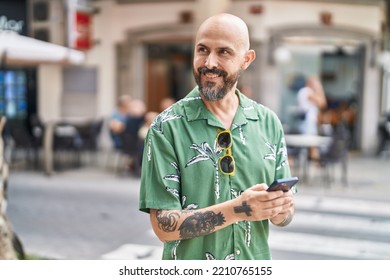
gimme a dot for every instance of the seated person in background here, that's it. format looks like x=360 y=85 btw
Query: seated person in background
x=136 y=116
x=149 y=117
x=132 y=145
x=143 y=131
x=117 y=124
x=166 y=103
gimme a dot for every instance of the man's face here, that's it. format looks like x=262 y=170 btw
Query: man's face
x=217 y=63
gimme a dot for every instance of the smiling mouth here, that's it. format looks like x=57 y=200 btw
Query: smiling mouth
x=211 y=75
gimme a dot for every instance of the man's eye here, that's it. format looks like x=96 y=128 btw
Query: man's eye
x=224 y=52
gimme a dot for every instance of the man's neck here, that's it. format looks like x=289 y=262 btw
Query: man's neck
x=224 y=109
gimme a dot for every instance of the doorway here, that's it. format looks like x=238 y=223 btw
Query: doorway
x=168 y=72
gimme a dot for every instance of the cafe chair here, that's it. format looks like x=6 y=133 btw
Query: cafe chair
x=335 y=155
x=24 y=146
x=130 y=154
x=67 y=145
x=89 y=133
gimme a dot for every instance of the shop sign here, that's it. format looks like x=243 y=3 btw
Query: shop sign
x=83 y=30
x=10 y=24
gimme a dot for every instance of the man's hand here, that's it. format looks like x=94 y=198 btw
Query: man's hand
x=256 y=204
x=285 y=217
x=117 y=126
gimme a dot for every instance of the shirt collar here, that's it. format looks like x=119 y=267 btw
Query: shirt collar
x=196 y=110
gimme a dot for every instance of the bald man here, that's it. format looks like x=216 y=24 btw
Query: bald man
x=209 y=158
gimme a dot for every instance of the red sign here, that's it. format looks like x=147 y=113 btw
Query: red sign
x=83 y=30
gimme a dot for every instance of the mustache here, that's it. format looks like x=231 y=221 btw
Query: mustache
x=205 y=70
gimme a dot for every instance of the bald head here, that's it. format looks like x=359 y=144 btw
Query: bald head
x=225 y=24
x=221 y=53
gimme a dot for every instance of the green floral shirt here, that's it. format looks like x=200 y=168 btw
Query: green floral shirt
x=180 y=171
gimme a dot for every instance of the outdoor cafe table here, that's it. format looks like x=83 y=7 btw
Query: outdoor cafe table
x=51 y=128
x=303 y=142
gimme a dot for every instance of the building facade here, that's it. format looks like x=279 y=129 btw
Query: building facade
x=144 y=48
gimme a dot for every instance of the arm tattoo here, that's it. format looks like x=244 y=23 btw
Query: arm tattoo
x=167 y=221
x=200 y=223
x=244 y=208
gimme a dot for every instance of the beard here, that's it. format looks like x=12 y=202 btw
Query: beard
x=209 y=90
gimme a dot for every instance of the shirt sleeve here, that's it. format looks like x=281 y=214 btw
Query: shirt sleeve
x=160 y=177
x=282 y=164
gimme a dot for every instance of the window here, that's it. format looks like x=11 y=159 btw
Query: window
x=13 y=94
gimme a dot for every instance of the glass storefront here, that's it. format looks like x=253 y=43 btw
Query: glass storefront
x=13 y=94
x=17 y=83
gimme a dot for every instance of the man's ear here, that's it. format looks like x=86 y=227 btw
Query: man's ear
x=249 y=57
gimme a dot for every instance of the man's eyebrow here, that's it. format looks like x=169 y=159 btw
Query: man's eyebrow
x=226 y=48
x=219 y=48
x=201 y=45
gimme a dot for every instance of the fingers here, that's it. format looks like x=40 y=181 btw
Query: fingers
x=259 y=187
x=279 y=204
x=279 y=207
x=258 y=193
x=266 y=205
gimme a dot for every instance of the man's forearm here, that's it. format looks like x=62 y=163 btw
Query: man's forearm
x=172 y=225
x=255 y=204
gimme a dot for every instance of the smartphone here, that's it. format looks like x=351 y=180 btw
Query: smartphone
x=284 y=184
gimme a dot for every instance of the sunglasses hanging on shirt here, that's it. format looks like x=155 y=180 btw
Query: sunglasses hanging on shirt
x=226 y=162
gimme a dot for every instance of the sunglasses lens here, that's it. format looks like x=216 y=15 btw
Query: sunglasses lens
x=224 y=140
x=227 y=164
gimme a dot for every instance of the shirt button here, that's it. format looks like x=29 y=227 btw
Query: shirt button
x=238 y=252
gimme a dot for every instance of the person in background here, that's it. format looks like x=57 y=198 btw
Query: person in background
x=117 y=123
x=311 y=100
x=143 y=131
x=166 y=103
x=209 y=158
x=247 y=90
x=135 y=116
x=132 y=146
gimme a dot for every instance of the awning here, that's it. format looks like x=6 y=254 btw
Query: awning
x=16 y=49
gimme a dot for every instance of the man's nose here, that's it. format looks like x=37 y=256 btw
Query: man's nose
x=211 y=61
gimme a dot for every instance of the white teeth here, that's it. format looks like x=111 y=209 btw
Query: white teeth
x=211 y=75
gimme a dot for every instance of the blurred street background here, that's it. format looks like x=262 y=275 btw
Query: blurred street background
x=81 y=80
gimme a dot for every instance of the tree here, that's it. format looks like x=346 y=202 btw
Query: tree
x=6 y=248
